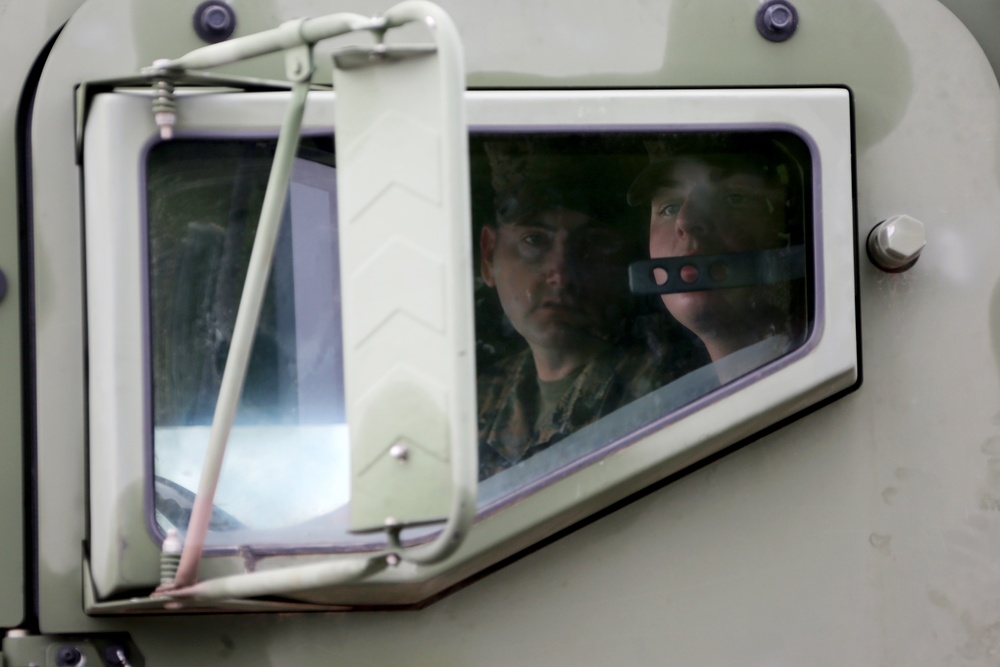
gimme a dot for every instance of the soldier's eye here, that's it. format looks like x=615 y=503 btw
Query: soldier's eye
x=669 y=209
x=533 y=244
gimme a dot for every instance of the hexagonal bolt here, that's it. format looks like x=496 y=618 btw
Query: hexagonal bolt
x=895 y=244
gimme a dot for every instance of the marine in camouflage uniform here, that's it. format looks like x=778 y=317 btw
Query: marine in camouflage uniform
x=556 y=252
x=515 y=422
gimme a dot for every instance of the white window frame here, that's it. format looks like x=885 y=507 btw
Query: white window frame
x=120 y=130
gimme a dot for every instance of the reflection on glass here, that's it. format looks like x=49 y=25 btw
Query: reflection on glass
x=286 y=461
x=710 y=228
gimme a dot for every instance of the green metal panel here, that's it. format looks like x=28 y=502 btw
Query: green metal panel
x=981 y=17
x=12 y=572
x=118 y=37
x=11 y=443
x=24 y=30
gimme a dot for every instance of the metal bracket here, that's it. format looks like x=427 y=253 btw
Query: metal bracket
x=354 y=57
x=88 y=90
x=299 y=65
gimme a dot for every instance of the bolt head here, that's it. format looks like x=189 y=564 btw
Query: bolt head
x=214 y=21
x=777 y=20
x=215 y=18
x=68 y=656
x=896 y=243
x=904 y=237
x=400 y=452
x=778 y=17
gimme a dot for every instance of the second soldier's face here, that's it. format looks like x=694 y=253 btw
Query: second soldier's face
x=711 y=207
x=560 y=275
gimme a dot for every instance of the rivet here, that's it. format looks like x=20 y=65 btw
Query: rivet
x=777 y=20
x=214 y=21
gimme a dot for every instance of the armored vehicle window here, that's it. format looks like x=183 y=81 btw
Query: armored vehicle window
x=658 y=275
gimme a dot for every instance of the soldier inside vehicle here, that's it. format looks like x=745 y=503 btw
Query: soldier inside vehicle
x=737 y=198
x=556 y=252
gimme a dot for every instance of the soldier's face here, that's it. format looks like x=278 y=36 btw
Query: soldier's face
x=560 y=276
x=714 y=206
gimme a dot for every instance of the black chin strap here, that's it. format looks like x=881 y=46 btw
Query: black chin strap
x=707 y=272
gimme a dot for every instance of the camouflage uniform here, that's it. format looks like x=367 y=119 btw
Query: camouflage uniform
x=509 y=399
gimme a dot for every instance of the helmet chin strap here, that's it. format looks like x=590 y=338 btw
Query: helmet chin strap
x=695 y=273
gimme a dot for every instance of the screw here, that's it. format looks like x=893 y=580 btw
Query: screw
x=777 y=20
x=164 y=104
x=400 y=452
x=170 y=556
x=392 y=559
x=68 y=656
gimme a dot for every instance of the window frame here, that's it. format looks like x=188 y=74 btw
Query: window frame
x=119 y=132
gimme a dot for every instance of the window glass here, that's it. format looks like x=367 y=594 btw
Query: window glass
x=622 y=279
x=286 y=460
